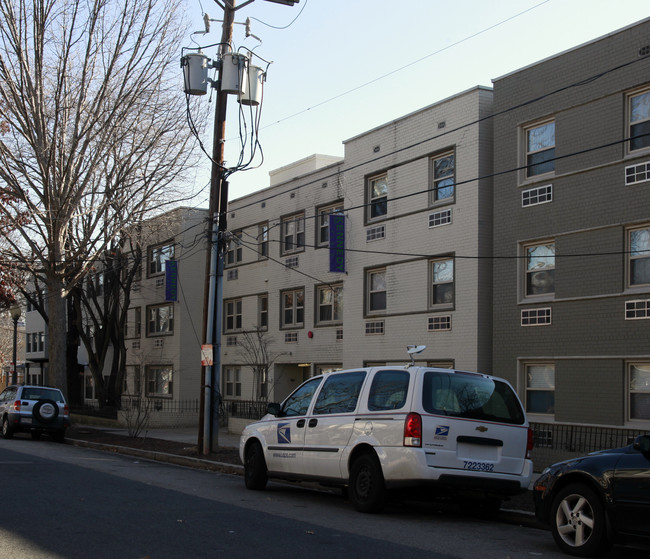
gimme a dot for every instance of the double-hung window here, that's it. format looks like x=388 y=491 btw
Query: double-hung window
x=639 y=391
x=233 y=315
x=639 y=120
x=639 y=256
x=160 y=380
x=293 y=308
x=443 y=172
x=540 y=388
x=293 y=233
x=263 y=311
x=330 y=304
x=323 y=226
x=540 y=149
x=157 y=256
x=442 y=281
x=160 y=319
x=235 y=253
x=540 y=269
x=377 y=197
x=263 y=240
x=232 y=382
x=376 y=291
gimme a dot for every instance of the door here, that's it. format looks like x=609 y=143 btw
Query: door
x=631 y=490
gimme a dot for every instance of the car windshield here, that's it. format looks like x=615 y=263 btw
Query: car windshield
x=471 y=396
x=41 y=394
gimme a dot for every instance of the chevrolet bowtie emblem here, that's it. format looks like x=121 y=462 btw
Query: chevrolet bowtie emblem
x=481 y=429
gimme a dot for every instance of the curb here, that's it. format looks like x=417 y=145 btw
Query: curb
x=187 y=461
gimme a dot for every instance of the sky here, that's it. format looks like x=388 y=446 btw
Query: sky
x=342 y=67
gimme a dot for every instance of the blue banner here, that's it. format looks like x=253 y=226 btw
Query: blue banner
x=171 y=280
x=337 y=243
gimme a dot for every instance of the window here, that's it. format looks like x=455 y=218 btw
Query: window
x=263 y=240
x=540 y=149
x=443 y=172
x=378 y=197
x=639 y=114
x=232 y=382
x=298 y=403
x=233 y=315
x=159 y=380
x=442 y=282
x=540 y=388
x=639 y=382
x=388 y=390
x=263 y=311
x=376 y=288
x=293 y=233
x=323 y=227
x=160 y=320
x=234 y=254
x=293 y=308
x=330 y=303
x=157 y=256
x=133 y=323
x=340 y=393
x=540 y=269
x=639 y=256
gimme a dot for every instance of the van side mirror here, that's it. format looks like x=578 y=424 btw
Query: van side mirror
x=642 y=444
x=273 y=408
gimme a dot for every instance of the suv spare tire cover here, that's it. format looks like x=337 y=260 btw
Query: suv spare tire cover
x=46 y=411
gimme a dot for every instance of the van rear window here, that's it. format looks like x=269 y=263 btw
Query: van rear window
x=470 y=397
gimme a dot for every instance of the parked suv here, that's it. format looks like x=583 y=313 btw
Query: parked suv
x=373 y=429
x=35 y=410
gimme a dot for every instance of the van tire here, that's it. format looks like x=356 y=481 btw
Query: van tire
x=367 y=490
x=255 y=474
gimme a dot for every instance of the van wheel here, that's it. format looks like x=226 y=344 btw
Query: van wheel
x=7 y=431
x=367 y=490
x=255 y=474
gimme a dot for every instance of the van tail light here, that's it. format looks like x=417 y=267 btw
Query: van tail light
x=66 y=410
x=529 y=444
x=17 y=405
x=413 y=430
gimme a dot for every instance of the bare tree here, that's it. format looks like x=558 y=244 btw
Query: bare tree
x=96 y=137
x=255 y=351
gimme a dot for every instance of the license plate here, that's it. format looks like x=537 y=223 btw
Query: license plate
x=27 y=420
x=478 y=466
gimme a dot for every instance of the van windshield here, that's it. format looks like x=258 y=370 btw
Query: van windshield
x=470 y=396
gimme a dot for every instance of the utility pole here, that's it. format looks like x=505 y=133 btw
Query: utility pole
x=210 y=381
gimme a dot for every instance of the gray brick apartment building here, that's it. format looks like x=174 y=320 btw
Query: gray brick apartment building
x=572 y=232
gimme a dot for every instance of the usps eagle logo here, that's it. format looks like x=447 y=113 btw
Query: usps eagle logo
x=284 y=433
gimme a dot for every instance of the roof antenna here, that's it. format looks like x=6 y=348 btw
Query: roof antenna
x=414 y=350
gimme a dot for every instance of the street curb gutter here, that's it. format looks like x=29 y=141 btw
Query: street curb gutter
x=507 y=516
x=187 y=461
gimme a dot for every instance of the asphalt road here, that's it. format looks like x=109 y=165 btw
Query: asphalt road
x=61 y=501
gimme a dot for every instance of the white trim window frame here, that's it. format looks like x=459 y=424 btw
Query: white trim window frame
x=638 y=393
x=539 y=384
x=638 y=255
x=232 y=382
x=263 y=311
x=539 y=269
x=539 y=149
x=442 y=282
x=323 y=222
x=377 y=197
x=443 y=179
x=330 y=304
x=160 y=320
x=235 y=253
x=638 y=120
x=232 y=315
x=293 y=233
x=160 y=380
x=263 y=241
x=293 y=308
x=157 y=255
x=376 y=291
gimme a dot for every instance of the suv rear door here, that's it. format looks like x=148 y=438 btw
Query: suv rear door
x=472 y=422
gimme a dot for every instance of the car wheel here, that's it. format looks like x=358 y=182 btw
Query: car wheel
x=367 y=490
x=7 y=431
x=255 y=474
x=578 y=521
x=45 y=411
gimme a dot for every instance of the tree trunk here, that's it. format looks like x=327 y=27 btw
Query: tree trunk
x=56 y=305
